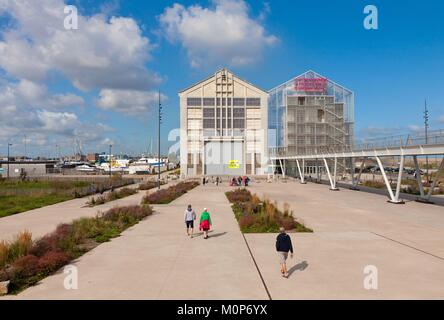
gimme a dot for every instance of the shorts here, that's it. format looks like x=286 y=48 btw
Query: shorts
x=190 y=224
x=282 y=256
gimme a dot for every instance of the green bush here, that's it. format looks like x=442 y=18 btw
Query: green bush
x=256 y=216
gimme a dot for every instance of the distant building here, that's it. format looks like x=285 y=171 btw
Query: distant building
x=92 y=157
x=31 y=168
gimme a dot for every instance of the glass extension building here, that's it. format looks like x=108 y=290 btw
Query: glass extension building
x=308 y=115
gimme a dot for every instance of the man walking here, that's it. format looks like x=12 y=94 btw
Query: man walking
x=283 y=246
x=189 y=217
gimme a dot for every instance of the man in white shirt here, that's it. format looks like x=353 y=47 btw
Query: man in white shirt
x=189 y=217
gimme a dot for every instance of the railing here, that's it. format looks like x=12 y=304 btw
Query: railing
x=433 y=138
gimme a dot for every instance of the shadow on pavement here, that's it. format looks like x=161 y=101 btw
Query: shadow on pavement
x=300 y=266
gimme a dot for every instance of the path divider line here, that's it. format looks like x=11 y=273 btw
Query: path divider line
x=257 y=267
x=408 y=246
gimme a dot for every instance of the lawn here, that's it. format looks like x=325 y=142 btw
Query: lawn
x=17 y=196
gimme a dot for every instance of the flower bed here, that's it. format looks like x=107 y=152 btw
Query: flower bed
x=111 y=196
x=24 y=262
x=257 y=216
x=167 y=195
x=148 y=185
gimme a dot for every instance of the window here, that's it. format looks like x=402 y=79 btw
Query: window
x=238 y=102
x=253 y=102
x=301 y=101
x=208 y=102
x=208 y=113
x=208 y=123
x=194 y=102
x=238 y=112
x=239 y=123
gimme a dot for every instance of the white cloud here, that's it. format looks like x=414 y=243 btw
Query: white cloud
x=441 y=119
x=102 y=53
x=222 y=34
x=130 y=102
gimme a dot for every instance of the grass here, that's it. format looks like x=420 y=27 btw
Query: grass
x=17 y=196
x=262 y=216
x=111 y=196
x=165 y=196
x=24 y=262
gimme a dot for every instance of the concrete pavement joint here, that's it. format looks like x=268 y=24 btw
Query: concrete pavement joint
x=406 y=245
x=257 y=267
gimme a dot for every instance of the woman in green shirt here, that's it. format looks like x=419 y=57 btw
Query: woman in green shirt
x=205 y=222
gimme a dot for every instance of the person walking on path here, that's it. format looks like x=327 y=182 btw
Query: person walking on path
x=283 y=246
x=189 y=217
x=205 y=222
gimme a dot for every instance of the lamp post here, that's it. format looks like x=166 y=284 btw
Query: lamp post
x=109 y=163
x=9 y=145
x=158 y=144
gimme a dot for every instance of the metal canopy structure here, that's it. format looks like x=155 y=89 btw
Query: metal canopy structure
x=399 y=146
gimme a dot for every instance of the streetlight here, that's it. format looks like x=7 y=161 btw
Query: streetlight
x=110 y=147
x=9 y=145
x=158 y=144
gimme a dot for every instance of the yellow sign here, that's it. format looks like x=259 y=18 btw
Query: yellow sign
x=234 y=164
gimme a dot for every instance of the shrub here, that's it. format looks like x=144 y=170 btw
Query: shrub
x=239 y=195
x=111 y=196
x=165 y=196
x=19 y=247
x=31 y=262
x=148 y=185
x=255 y=215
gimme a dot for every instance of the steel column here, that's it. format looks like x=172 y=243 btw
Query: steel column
x=398 y=184
x=435 y=181
x=332 y=184
x=387 y=183
x=301 y=175
x=418 y=177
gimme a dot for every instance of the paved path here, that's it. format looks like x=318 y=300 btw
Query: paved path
x=353 y=230
x=44 y=220
x=156 y=260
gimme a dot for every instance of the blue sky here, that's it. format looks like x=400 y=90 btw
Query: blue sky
x=391 y=70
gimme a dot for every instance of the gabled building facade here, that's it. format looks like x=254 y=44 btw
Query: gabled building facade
x=224 y=122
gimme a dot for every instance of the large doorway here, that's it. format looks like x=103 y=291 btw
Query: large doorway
x=224 y=158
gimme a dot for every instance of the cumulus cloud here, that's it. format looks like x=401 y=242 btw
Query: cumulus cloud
x=108 y=54
x=130 y=102
x=102 y=53
x=224 y=33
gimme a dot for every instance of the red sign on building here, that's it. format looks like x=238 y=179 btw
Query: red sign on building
x=311 y=84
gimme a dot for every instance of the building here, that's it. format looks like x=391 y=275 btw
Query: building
x=92 y=157
x=223 y=122
x=29 y=168
x=308 y=115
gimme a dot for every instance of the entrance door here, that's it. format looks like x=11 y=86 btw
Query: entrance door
x=224 y=158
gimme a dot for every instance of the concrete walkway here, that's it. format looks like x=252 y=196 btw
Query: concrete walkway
x=353 y=230
x=44 y=220
x=156 y=260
